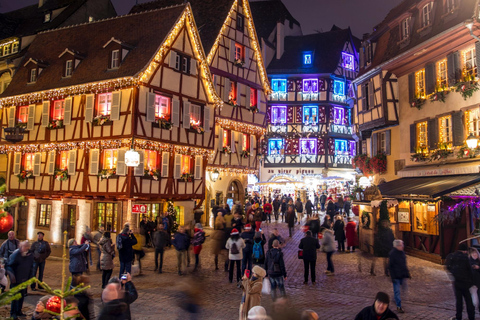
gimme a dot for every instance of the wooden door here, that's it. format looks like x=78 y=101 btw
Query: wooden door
x=70 y=221
x=22 y=216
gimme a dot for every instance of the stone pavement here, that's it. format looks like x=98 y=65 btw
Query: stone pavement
x=342 y=296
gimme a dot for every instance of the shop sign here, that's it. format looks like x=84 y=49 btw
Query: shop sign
x=404 y=215
x=139 y=208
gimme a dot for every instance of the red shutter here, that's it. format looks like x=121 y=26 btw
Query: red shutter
x=321 y=146
x=299 y=114
x=290 y=111
x=322 y=116
x=331 y=146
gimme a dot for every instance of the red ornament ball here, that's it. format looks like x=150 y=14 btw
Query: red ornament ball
x=6 y=222
x=54 y=304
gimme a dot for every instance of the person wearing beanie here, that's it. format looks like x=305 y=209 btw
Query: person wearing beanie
x=379 y=310
x=197 y=241
x=235 y=246
x=257 y=313
x=247 y=237
x=252 y=291
x=39 y=313
x=458 y=265
x=397 y=265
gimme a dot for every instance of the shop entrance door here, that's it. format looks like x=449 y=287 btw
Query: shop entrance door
x=22 y=215
x=70 y=221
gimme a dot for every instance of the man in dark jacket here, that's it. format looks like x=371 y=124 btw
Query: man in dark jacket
x=125 y=242
x=275 y=236
x=283 y=208
x=181 y=244
x=78 y=260
x=309 y=245
x=160 y=241
x=459 y=266
x=397 y=265
x=299 y=209
x=20 y=266
x=383 y=243
x=309 y=207
x=10 y=245
x=379 y=310
x=41 y=250
x=116 y=302
x=290 y=219
x=323 y=199
x=247 y=237
x=276 y=207
x=275 y=267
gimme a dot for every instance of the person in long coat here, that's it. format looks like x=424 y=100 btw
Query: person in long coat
x=339 y=230
x=290 y=219
x=107 y=249
x=252 y=291
x=351 y=234
x=78 y=261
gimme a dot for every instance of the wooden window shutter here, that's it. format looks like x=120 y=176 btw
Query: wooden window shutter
x=232 y=141
x=374 y=144
x=67 y=113
x=240 y=141
x=388 y=136
x=247 y=96
x=72 y=162
x=172 y=62
x=140 y=169
x=226 y=89
x=45 y=113
x=116 y=105
x=193 y=67
x=458 y=129
x=37 y=161
x=89 y=104
x=253 y=143
x=232 y=51
x=220 y=138
x=430 y=78
x=259 y=100
x=186 y=115
x=175 y=112
x=51 y=163
x=411 y=87
x=363 y=106
x=121 y=167
x=177 y=172
x=17 y=163
x=206 y=119
x=453 y=67
x=31 y=117
x=371 y=94
x=11 y=117
x=198 y=167
x=165 y=163
x=94 y=159
x=247 y=57
x=432 y=133
x=413 y=138
x=239 y=93
x=150 y=116
x=477 y=53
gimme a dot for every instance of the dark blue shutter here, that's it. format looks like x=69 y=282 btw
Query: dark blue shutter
x=457 y=129
x=430 y=78
x=432 y=133
x=453 y=68
x=411 y=87
x=374 y=144
x=413 y=138
x=387 y=141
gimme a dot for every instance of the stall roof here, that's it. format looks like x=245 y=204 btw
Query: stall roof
x=433 y=187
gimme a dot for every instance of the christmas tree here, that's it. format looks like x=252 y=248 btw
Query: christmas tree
x=172 y=213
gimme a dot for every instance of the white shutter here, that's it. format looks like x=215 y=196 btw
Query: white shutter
x=165 y=162
x=172 y=62
x=198 y=167
x=17 y=163
x=89 y=101
x=232 y=51
x=239 y=93
x=220 y=139
x=259 y=99
x=252 y=145
x=121 y=167
x=226 y=89
x=37 y=161
x=240 y=141
x=116 y=105
x=67 y=112
x=193 y=67
x=72 y=162
x=51 y=163
x=31 y=117
x=150 y=107
x=140 y=169
x=247 y=57
x=176 y=112
x=94 y=158
x=247 y=96
x=11 y=117
x=45 y=113
x=177 y=172
x=186 y=115
x=232 y=141
x=206 y=118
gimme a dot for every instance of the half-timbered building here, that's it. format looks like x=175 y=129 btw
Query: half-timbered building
x=84 y=96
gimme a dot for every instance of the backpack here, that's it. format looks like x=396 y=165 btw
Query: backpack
x=234 y=249
x=257 y=252
x=264 y=216
x=119 y=243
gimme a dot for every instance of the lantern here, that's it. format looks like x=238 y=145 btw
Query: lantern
x=214 y=175
x=132 y=158
x=472 y=141
x=54 y=304
x=6 y=222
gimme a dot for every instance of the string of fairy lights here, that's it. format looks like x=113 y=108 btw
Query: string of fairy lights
x=240 y=126
x=231 y=171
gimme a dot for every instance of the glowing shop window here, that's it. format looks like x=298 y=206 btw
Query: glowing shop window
x=279 y=85
x=310 y=85
x=348 y=61
x=353 y=148
x=310 y=115
x=58 y=109
x=162 y=107
x=110 y=159
x=275 y=147
x=64 y=159
x=150 y=159
x=185 y=164
x=232 y=95
x=226 y=136
x=307 y=58
x=246 y=142
x=29 y=159
x=339 y=115
x=308 y=146
x=341 y=147
x=338 y=88
x=104 y=104
x=279 y=115
x=23 y=114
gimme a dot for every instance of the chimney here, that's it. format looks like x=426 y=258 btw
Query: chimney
x=280 y=39
x=40 y=3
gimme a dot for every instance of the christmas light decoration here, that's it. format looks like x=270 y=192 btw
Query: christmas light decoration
x=240 y=126
x=445 y=130
x=232 y=171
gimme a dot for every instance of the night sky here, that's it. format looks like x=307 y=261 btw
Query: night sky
x=313 y=15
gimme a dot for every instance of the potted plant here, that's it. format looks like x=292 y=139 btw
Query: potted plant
x=253 y=109
x=152 y=174
x=239 y=63
x=164 y=124
x=362 y=162
x=379 y=163
x=418 y=103
x=440 y=153
x=25 y=174
x=418 y=157
x=61 y=175
x=226 y=150
x=245 y=154
x=466 y=152
x=55 y=124
x=467 y=86
x=100 y=120
x=438 y=96
x=107 y=173
x=195 y=127
x=187 y=177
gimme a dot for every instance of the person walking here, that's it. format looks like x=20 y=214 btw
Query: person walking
x=20 y=265
x=339 y=231
x=160 y=241
x=197 y=241
x=340 y=204
x=379 y=310
x=247 y=237
x=276 y=207
x=283 y=209
x=258 y=250
x=346 y=207
x=41 y=251
x=309 y=245
x=397 y=265
x=138 y=252
x=257 y=217
x=323 y=200
x=235 y=246
x=458 y=265
x=314 y=225
x=290 y=219
x=309 y=207
x=87 y=235
x=383 y=244
x=351 y=235
x=299 y=209
x=268 y=209
x=8 y=247
x=328 y=246
x=275 y=267
x=107 y=253
x=252 y=291
x=275 y=236
x=96 y=238
x=78 y=260
x=181 y=244
x=125 y=242
x=331 y=209
x=474 y=258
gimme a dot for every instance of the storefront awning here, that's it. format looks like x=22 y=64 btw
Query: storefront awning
x=266 y=183
x=431 y=187
x=462 y=167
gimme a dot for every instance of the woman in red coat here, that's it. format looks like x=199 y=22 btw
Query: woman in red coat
x=351 y=233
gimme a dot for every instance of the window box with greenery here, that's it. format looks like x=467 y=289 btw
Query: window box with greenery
x=467 y=86
x=245 y=154
x=441 y=153
x=226 y=150
x=25 y=174
x=187 y=177
x=55 y=124
x=21 y=127
x=439 y=96
x=153 y=174
x=232 y=102
x=466 y=152
x=163 y=123
x=378 y=163
x=362 y=162
x=108 y=173
x=418 y=103
x=419 y=157
x=61 y=174
x=239 y=63
x=101 y=120
x=253 y=109
x=195 y=127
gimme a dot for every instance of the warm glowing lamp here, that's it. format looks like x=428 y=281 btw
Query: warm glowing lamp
x=214 y=175
x=472 y=141
x=132 y=157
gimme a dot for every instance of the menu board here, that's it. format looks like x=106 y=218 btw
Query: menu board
x=404 y=215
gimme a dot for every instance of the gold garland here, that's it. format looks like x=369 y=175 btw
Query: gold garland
x=232 y=171
x=240 y=126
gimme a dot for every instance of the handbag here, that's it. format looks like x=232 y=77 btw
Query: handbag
x=266 y=286
x=300 y=254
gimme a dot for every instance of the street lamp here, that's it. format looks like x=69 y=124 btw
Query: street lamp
x=214 y=175
x=472 y=141
x=132 y=157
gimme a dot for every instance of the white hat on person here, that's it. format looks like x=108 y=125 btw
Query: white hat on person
x=257 y=313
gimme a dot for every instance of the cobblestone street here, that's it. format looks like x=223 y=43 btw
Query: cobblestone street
x=342 y=296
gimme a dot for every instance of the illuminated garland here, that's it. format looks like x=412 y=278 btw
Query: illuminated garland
x=240 y=126
x=232 y=171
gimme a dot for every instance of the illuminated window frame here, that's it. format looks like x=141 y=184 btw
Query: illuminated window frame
x=68 y=68
x=246 y=141
x=338 y=88
x=422 y=138
x=276 y=147
x=110 y=158
x=162 y=107
x=63 y=161
x=278 y=115
x=348 y=61
x=310 y=86
x=107 y=215
x=115 y=59
x=44 y=215
x=28 y=161
x=442 y=76
x=339 y=116
x=310 y=115
x=58 y=109
x=341 y=147
x=307 y=58
x=185 y=164
x=426 y=14
x=23 y=114
x=469 y=62
x=472 y=118
x=305 y=146
x=239 y=52
x=420 y=84
x=150 y=159
x=445 y=134
x=279 y=85
x=104 y=106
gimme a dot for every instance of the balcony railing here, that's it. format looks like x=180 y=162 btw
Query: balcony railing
x=310 y=128
x=282 y=96
x=277 y=128
x=341 y=129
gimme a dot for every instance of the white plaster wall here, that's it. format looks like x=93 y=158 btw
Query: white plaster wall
x=56 y=222
x=84 y=211
x=32 y=217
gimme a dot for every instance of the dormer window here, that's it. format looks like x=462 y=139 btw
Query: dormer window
x=48 y=17
x=90 y=19
x=307 y=58
x=240 y=22
x=405 y=28
x=348 y=61
x=33 y=75
x=6 y=50
x=15 y=47
x=68 y=68
x=427 y=14
x=450 y=5
x=115 y=59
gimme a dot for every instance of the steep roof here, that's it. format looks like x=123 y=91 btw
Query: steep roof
x=145 y=32
x=267 y=13
x=209 y=16
x=326 y=48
